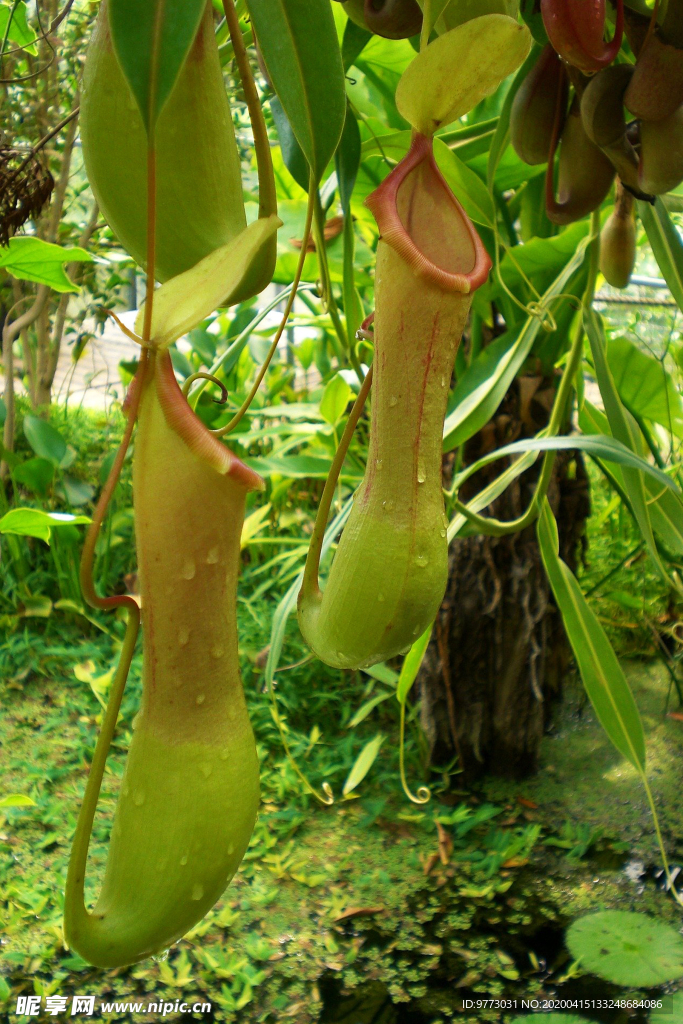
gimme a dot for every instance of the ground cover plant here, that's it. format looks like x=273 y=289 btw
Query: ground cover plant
x=368 y=243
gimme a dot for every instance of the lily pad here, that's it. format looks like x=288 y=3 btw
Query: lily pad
x=627 y=948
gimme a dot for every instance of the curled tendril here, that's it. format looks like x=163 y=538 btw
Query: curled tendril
x=423 y=795
x=201 y=375
x=327 y=796
x=548 y=322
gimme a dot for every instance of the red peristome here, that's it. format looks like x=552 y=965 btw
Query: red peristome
x=181 y=418
x=384 y=205
x=576 y=29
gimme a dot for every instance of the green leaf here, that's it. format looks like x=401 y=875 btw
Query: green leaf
x=600 y=670
x=627 y=948
x=466 y=185
x=45 y=440
x=347 y=160
x=665 y=506
x=363 y=764
x=354 y=42
x=624 y=431
x=35 y=474
x=644 y=385
x=411 y=665
x=292 y=153
x=365 y=709
x=596 y=446
x=186 y=300
x=459 y=69
x=335 y=399
x=32 y=522
x=31 y=259
x=298 y=41
x=480 y=390
x=19 y=32
x=17 y=800
x=152 y=41
x=666 y=245
x=663 y=1014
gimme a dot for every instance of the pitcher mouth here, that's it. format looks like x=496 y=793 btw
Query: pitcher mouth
x=181 y=418
x=420 y=218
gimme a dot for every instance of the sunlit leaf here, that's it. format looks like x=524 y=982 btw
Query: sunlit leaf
x=335 y=399
x=186 y=300
x=459 y=69
x=33 y=522
x=31 y=259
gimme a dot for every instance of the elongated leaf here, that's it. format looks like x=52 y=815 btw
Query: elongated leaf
x=347 y=159
x=354 y=42
x=298 y=40
x=184 y=301
x=459 y=69
x=411 y=665
x=490 y=493
x=666 y=245
x=32 y=259
x=347 y=162
x=363 y=764
x=623 y=430
x=600 y=670
x=599 y=447
x=292 y=153
x=152 y=40
x=365 y=709
x=481 y=389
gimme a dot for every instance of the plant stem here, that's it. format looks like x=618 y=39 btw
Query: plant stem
x=266 y=174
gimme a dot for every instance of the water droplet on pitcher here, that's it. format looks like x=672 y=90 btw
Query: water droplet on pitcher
x=393 y=401
x=217 y=651
x=126 y=789
x=381 y=598
x=224 y=755
x=197 y=891
x=379 y=463
x=201 y=697
x=160 y=957
x=183 y=636
x=421 y=475
x=443 y=382
x=183 y=861
x=188 y=570
x=136 y=720
x=212 y=556
x=421 y=560
x=206 y=770
x=442 y=532
x=231 y=849
x=388 y=505
x=139 y=799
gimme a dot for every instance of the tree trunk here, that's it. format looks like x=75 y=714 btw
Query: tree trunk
x=499 y=654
